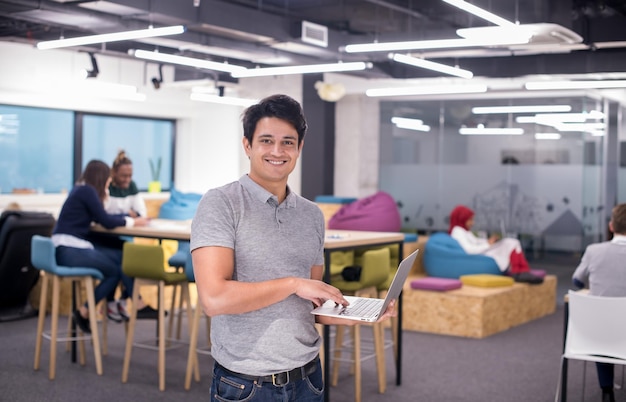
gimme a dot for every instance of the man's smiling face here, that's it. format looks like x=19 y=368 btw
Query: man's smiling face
x=273 y=153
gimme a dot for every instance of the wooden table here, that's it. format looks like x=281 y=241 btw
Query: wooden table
x=157 y=229
x=342 y=240
x=336 y=240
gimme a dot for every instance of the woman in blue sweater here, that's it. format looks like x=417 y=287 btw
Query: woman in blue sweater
x=75 y=246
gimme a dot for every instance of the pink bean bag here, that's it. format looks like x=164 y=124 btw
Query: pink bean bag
x=376 y=213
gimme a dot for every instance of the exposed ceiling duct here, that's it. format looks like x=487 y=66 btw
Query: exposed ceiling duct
x=276 y=33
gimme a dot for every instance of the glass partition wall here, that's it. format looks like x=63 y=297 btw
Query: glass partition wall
x=535 y=173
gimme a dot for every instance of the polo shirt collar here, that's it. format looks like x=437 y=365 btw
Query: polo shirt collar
x=262 y=195
x=618 y=238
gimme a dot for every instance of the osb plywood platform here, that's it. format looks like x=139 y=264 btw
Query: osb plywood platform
x=476 y=312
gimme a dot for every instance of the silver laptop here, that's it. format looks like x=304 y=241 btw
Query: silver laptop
x=366 y=308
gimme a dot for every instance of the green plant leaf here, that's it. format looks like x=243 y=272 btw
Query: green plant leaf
x=155 y=171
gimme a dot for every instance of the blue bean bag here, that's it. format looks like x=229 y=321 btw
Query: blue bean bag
x=180 y=206
x=444 y=258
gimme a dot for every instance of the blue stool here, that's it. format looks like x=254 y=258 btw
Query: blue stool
x=179 y=259
x=43 y=258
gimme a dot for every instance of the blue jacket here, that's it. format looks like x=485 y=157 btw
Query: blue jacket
x=81 y=208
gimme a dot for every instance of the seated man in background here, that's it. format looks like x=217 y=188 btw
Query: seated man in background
x=602 y=271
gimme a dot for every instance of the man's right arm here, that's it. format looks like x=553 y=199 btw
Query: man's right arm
x=220 y=294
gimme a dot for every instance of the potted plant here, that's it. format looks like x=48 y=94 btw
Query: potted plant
x=155 y=170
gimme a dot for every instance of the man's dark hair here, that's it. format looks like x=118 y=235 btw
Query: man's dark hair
x=280 y=106
x=618 y=217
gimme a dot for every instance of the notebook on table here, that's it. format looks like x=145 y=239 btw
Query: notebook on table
x=365 y=308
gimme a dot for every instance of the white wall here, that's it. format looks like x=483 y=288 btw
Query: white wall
x=208 y=142
x=208 y=136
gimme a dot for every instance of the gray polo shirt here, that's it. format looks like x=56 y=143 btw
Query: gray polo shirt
x=603 y=268
x=270 y=241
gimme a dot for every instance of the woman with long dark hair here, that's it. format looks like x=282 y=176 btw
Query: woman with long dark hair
x=73 y=240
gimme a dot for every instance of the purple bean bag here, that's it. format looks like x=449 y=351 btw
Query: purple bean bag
x=376 y=213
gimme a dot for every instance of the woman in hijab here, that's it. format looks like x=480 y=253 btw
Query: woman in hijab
x=506 y=252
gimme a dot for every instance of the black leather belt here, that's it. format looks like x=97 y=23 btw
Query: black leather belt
x=278 y=379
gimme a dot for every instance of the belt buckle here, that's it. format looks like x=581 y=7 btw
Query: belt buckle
x=275 y=377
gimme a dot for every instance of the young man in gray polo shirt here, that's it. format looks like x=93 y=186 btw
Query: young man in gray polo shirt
x=602 y=270
x=258 y=258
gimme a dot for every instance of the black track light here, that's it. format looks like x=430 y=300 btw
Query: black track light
x=156 y=81
x=93 y=73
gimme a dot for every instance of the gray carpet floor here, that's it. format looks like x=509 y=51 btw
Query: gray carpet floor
x=520 y=364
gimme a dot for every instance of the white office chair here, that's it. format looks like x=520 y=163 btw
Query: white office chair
x=594 y=333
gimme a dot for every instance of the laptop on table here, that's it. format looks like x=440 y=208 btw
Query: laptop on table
x=366 y=308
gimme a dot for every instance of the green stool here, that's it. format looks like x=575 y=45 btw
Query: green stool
x=146 y=263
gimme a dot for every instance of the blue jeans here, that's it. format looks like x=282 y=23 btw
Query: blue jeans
x=226 y=387
x=104 y=259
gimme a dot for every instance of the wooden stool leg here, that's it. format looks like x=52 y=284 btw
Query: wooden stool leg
x=185 y=294
x=105 y=331
x=379 y=347
x=186 y=300
x=41 y=320
x=161 y=363
x=339 y=330
x=131 y=331
x=68 y=343
x=357 y=362
x=79 y=302
x=394 y=336
x=55 y=326
x=170 y=327
x=93 y=322
x=193 y=342
x=320 y=330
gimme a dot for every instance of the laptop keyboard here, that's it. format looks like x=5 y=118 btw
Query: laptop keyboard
x=363 y=307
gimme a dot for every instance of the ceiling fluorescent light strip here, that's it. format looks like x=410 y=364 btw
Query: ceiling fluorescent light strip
x=410 y=124
x=186 y=61
x=547 y=136
x=422 y=127
x=406 y=120
x=479 y=12
x=582 y=127
x=111 y=37
x=430 y=65
x=557 y=118
x=554 y=85
x=434 y=44
x=521 y=109
x=490 y=131
x=302 y=69
x=224 y=100
x=426 y=90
